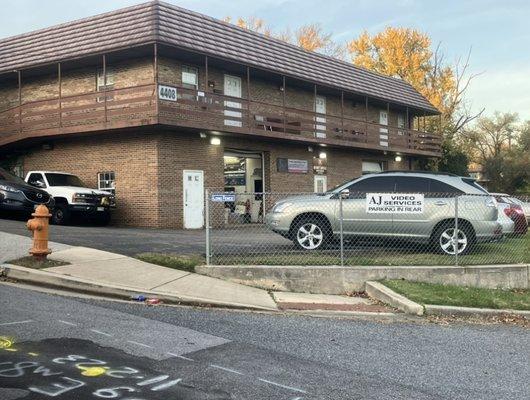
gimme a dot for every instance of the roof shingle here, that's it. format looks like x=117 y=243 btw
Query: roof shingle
x=164 y=23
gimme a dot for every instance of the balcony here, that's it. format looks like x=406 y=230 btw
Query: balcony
x=139 y=106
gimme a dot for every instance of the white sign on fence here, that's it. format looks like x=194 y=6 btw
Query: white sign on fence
x=394 y=203
x=167 y=93
x=221 y=198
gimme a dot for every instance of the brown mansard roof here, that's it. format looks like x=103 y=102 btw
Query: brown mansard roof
x=165 y=23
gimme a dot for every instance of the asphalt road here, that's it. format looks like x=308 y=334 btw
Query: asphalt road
x=70 y=348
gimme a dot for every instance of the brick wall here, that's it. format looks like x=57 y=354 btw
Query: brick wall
x=149 y=168
x=133 y=158
x=128 y=73
x=178 y=151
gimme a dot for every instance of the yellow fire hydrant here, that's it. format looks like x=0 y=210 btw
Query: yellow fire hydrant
x=39 y=225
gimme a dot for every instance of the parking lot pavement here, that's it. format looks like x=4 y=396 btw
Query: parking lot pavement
x=131 y=241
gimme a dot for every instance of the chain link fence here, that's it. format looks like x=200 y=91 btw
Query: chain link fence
x=356 y=229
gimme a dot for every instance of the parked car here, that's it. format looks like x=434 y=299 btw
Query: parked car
x=17 y=196
x=508 y=226
x=311 y=221
x=526 y=209
x=72 y=197
x=513 y=208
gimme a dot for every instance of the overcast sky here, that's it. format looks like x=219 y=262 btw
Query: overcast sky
x=497 y=31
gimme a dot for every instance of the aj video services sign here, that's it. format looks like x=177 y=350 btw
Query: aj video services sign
x=394 y=203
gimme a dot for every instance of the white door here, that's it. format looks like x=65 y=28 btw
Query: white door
x=232 y=88
x=193 y=190
x=383 y=132
x=320 y=108
x=321 y=183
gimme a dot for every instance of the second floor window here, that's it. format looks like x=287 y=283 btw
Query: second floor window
x=401 y=121
x=190 y=77
x=101 y=79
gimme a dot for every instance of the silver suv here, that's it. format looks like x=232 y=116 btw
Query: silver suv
x=425 y=212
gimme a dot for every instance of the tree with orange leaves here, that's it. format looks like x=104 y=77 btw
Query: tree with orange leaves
x=310 y=37
x=407 y=54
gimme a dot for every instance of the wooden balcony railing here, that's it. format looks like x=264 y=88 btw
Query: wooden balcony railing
x=137 y=106
x=134 y=106
x=224 y=113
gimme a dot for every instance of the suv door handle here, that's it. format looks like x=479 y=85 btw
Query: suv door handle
x=440 y=203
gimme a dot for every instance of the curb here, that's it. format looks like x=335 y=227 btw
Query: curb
x=53 y=280
x=447 y=311
x=384 y=294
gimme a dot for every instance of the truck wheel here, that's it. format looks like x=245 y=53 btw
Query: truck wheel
x=310 y=234
x=60 y=215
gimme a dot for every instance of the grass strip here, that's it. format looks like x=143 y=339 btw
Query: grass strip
x=35 y=263
x=437 y=294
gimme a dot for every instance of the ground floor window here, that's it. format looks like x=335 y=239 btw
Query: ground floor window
x=107 y=181
x=371 y=167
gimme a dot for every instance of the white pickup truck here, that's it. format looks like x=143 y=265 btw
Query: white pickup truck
x=72 y=197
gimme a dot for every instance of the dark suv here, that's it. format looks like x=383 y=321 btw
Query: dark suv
x=17 y=196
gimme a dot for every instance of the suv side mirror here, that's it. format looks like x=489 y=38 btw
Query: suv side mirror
x=345 y=194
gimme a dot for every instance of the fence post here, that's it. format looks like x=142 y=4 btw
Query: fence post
x=455 y=232
x=341 y=231
x=207 y=224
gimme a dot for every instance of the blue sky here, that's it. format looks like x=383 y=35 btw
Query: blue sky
x=497 y=31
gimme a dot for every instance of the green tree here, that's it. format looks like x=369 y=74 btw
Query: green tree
x=501 y=145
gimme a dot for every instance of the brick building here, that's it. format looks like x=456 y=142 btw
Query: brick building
x=162 y=102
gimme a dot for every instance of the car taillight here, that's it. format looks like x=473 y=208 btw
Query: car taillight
x=508 y=211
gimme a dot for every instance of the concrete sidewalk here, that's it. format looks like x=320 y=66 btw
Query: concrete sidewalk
x=110 y=274
x=117 y=270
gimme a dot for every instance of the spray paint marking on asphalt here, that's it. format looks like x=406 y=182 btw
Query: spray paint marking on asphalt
x=57 y=373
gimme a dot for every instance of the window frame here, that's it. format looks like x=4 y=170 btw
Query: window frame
x=105 y=188
x=382 y=163
x=100 y=79
x=187 y=85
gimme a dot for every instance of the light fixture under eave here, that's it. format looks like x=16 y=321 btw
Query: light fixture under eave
x=215 y=141
x=322 y=155
x=202 y=135
x=397 y=159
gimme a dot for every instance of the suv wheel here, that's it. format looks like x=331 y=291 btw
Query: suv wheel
x=451 y=241
x=60 y=214
x=310 y=234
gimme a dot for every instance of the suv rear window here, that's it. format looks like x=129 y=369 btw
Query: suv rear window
x=472 y=182
x=412 y=184
x=429 y=186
